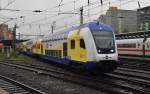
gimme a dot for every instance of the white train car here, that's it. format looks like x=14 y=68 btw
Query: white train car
x=134 y=45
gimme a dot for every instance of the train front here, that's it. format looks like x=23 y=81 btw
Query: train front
x=104 y=49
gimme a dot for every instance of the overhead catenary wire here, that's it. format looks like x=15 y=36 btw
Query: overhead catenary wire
x=11 y=2
x=60 y=18
x=57 y=6
x=59 y=15
x=104 y=10
x=92 y=15
x=66 y=12
x=83 y=6
x=51 y=16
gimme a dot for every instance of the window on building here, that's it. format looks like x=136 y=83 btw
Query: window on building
x=72 y=44
x=82 y=43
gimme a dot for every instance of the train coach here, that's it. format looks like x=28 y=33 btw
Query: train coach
x=134 y=46
x=91 y=45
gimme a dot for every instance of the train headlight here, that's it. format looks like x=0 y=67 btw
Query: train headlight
x=111 y=50
x=99 y=51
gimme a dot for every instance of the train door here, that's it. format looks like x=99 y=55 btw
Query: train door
x=147 y=47
x=65 y=53
x=76 y=49
x=82 y=49
x=73 y=49
x=41 y=49
x=144 y=40
x=65 y=49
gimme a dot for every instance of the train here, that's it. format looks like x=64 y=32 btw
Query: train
x=91 y=46
x=137 y=48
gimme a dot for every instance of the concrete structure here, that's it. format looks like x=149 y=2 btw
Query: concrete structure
x=143 y=17
x=122 y=21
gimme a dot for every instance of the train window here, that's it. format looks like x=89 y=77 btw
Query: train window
x=48 y=52
x=59 y=53
x=148 y=45
x=126 y=45
x=72 y=44
x=55 y=53
x=138 y=45
x=52 y=52
x=82 y=43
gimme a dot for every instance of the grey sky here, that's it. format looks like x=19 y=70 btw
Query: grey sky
x=39 y=23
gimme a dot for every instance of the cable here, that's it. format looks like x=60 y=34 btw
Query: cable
x=11 y=2
x=99 y=12
x=62 y=18
x=57 y=14
x=60 y=5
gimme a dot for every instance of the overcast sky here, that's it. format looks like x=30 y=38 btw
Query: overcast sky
x=40 y=23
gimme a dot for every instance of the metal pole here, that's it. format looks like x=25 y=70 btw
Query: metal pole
x=14 y=37
x=0 y=5
x=19 y=36
x=81 y=15
x=120 y=22
x=52 y=26
x=144 y=44
x=145 y=38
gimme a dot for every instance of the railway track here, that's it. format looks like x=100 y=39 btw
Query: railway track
x=134 y=82
x=135 y=64
x=118 y=85
x=139 y=66
x=133 y=73
x=14 y=87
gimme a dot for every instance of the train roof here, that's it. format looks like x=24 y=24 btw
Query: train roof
x=93 y=26
x=96 y=26
x=133 y=35
x=130 y=40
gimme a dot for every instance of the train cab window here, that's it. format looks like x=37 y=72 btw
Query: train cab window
x=72 y=44
x=148 y=45
x=82 y=43
x=138 y=45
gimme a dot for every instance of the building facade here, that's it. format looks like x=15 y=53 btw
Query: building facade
x=5 y=33
x=122 y=21
x=143 y=17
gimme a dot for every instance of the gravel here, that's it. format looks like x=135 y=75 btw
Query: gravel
x=44 y=83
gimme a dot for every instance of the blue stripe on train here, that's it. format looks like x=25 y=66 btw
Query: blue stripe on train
x=87 y=65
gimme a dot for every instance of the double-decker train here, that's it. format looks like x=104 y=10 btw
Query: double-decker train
x=91 y=45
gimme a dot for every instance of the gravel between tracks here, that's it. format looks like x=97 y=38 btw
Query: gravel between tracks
x=45 y=83
x=133 y=64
